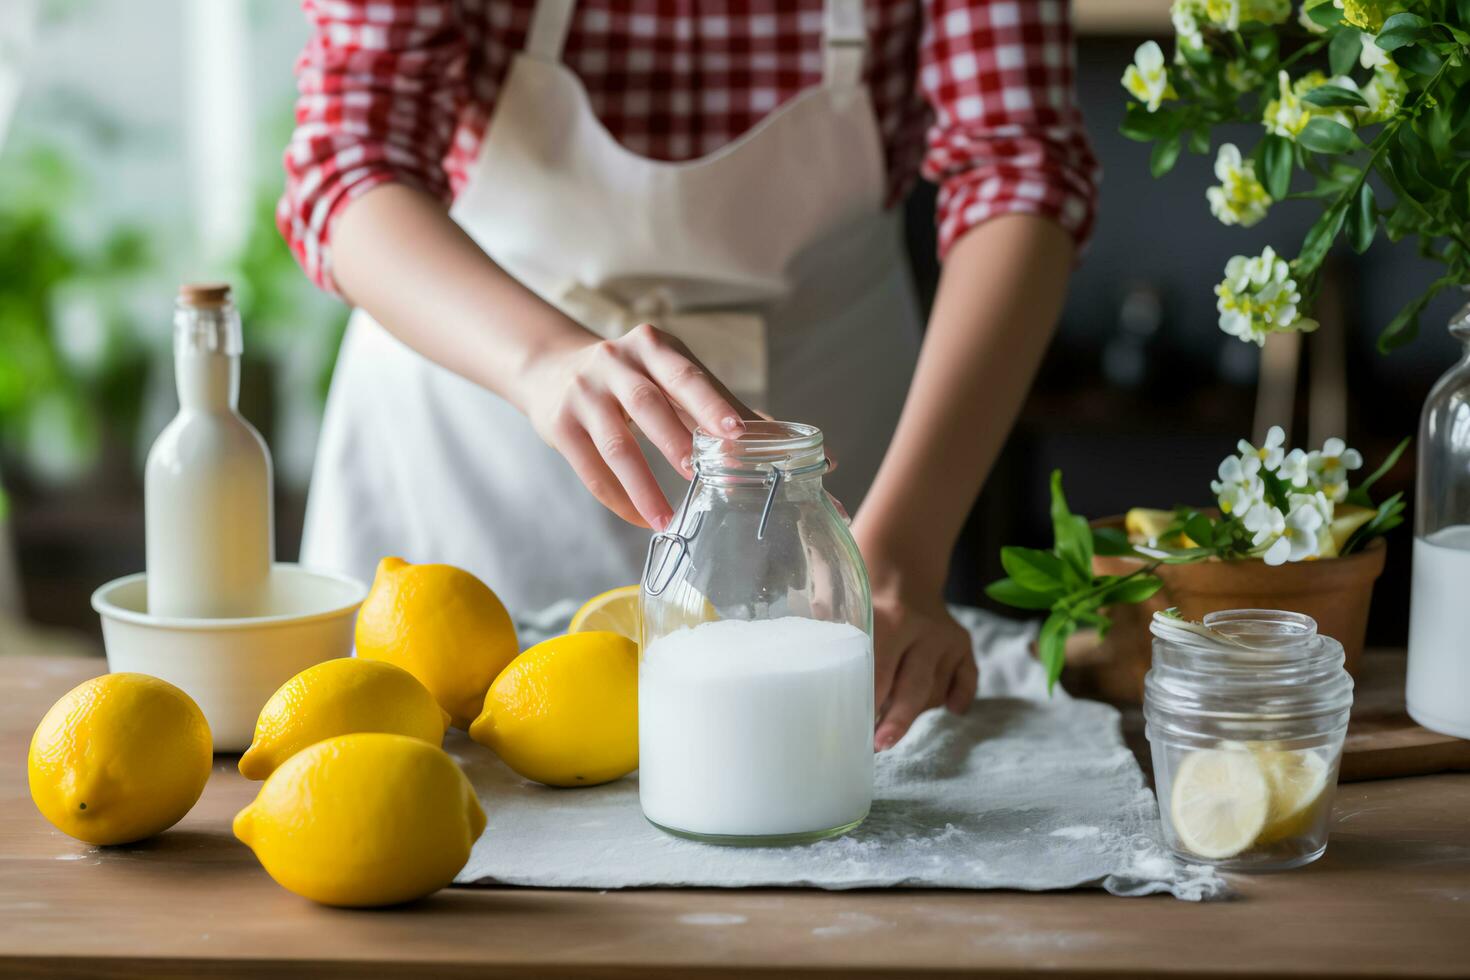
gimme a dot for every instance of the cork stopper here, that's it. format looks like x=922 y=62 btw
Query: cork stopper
x=206 y=295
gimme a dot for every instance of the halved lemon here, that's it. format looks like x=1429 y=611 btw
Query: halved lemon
x=614 y=611
x=1297 y=782
x=1220 y=802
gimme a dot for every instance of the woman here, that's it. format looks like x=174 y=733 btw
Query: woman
x=728 y=173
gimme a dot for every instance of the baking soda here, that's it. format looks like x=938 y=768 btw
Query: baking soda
x=1438 y=686
x=756 y=727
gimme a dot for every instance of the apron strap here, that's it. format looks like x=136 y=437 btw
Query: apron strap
x=550 y=21
x=845 y=39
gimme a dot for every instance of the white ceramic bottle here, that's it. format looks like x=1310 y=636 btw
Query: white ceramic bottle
x=207 y=486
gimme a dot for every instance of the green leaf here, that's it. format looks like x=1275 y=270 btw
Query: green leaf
x=1362 y=220
x=1405 y=326
x=1324 y=14
x=1334 y=95
x=1276 y=165
x=1426 y=162
x=1073 y=536
x=1417 y=59
x=1401 y=30
x=1111 y=541
x=1317 y=243
x=1343 y=50
x=1462 y=11
x=1132 y=590
x=1390 y=515
x=1376 y=475
x=1459 y=114
x=1143 y=126
x=1051 y=644
x=1199 y=140
x=1039 y=571
x=1326 y=136
x=1200 y=529
x=1165 y=154
x=1012 y=594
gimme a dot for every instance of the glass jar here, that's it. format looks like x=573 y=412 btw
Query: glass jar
x=1438 y=685
x=1246 y=717
x=755 y=682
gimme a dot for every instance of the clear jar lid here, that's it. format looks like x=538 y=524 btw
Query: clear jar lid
x=1251 y=666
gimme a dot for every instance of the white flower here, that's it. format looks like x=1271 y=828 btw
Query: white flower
x=1271 y=451
x=1384 y=94
x=1241 y=198
x=1294 y=468
x=1292 y=537
x=1287 y=114
x=1259 y=297
x=1331 y=465
x=1147 y=80
x=1240 y=485
x=1186 y=15
x=1372 y=56
x=1241 y=75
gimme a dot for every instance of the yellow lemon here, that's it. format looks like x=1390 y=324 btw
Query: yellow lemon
x=443 y=626
x=1297 y=781
x=340 y=697
x=615 y=611
x=1219 y=803
x=364 y=819
x=1346 y=518
x=119 y=758
x=1144 y=526
x=565 y=712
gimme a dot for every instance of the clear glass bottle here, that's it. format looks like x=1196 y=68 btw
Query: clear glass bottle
x=755 y=687
x=1438 y=687
x=1246 y=716
x=207 y=483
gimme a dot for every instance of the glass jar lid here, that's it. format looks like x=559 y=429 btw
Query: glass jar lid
x=1244 y=664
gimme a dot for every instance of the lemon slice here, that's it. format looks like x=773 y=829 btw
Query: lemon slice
x=1296 y=784
x=614 y=611
x=1219 y=802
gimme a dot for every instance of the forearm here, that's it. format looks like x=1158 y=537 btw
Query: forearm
x=999 y=297
x=399 y=256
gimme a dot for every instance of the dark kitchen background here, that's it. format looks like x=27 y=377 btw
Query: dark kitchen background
x=113 y=187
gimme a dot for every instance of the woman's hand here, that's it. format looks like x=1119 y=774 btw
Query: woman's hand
x=923 y=657
x=583 y=398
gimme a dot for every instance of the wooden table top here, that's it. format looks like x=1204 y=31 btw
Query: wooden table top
x=1391 y=897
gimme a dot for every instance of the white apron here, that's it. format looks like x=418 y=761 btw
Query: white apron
x=772 y=258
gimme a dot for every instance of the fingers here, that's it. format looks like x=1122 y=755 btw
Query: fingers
x=602 y=418
x=912 y=688
x=688 y=385
x=963 y=686
x=572 y=442
x=651 y=413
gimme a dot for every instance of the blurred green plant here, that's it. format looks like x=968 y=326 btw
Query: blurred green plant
x=72 y=372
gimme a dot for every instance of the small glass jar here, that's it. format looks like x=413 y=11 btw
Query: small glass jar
x=755 y=684
x=1246 y=717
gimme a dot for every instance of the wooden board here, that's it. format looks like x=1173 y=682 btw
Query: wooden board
x=1390 y=898
x=1382 y=740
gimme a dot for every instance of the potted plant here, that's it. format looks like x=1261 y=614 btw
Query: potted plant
x=1289 y=532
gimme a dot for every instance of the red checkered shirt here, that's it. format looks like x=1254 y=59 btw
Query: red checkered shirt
x=975 y=94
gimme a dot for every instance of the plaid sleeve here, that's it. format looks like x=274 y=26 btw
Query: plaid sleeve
x=1007 y=136
x=380 y=83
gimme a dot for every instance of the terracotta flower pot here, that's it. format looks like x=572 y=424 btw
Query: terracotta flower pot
x=1336 y=592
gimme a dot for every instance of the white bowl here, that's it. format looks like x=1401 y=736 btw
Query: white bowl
x=231 y=667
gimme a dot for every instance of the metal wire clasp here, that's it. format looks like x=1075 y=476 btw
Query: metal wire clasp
x=678 y=539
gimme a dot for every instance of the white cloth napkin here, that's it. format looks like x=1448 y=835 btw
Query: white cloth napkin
x=1022 y=792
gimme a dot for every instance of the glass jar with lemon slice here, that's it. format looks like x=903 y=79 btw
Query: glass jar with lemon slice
x=1246 y=715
